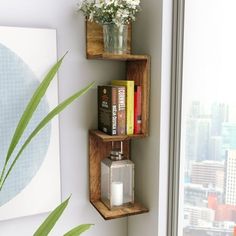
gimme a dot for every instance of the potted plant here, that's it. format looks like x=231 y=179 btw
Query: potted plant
x=114 y=16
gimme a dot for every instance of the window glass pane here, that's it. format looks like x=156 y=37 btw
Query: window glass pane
x=207 y=199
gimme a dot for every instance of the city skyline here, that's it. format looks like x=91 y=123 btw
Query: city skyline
x=209 y=167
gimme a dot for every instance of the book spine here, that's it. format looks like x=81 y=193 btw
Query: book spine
x=137 y=109
x=130 y=108
x=114 y=111
x=121 y=116
x=107 y=109
x=129 y=84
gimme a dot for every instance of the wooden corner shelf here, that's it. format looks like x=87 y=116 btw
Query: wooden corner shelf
x=98 y=150
x=137 y=66
x=117 y=57
x=100 y=144
x=118 y=213
x=109 y=138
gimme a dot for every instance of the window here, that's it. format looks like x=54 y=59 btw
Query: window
x=203 y=150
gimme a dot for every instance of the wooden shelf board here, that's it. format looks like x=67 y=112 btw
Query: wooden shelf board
x=117 y=57
x=108 y=138
x=118 y=213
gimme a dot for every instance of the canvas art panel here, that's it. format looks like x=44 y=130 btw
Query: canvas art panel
x=26 y=55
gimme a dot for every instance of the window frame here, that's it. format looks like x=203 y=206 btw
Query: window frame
x=175 y=116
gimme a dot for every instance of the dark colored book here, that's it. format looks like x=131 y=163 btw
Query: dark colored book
x=107 y=109
x=121 y=110
x=137 y=109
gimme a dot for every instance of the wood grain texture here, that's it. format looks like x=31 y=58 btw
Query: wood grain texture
x=94 y=39
x=109 y=138
x=139 y=71
x=117 y=213
x=98 y=150
x=116 y=57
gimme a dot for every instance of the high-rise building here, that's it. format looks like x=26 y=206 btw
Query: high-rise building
x=199 y=216
x=215 y=148
x=216 y=231
x=230 y=178
x=196 y=194
x=223 y=212
x=228 y=136
x=197 y=133
x=208 y=173
x=197 y=139
x=219 y=115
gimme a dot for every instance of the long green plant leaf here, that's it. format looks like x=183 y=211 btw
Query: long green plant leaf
x=78 y=230
x=47 y=119
x=29 y=111
x=45 y=228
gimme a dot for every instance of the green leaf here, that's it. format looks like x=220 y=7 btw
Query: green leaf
x=46 y=120
x=78 y=230
x=29 y=111
x=51 y=220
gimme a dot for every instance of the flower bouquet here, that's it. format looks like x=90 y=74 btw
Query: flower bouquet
x=114 y=16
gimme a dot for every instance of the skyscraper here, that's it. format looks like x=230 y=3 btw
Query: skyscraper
x=228 y=136
x=208 y=173
x=197 y=139
x=215 y=148
x=199 y=216
x=230 y=178
x=219 y=115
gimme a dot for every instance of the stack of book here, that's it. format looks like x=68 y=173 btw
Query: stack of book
x=119 y=108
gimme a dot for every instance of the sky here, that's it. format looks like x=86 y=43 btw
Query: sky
x=209 y=68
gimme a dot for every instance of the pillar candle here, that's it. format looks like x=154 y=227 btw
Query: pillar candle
x=116 y=193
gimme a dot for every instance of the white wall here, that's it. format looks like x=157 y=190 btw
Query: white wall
x=75 y=73
x=151 y=155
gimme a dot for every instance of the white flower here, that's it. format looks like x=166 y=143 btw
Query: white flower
x=133 y=2
x=109 y=2
x=116 y=3
x=110 y=11
x=122 y=13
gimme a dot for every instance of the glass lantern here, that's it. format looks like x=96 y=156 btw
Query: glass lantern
x=117 y=180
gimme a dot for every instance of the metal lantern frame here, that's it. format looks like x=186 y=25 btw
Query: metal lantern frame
x=112 y=163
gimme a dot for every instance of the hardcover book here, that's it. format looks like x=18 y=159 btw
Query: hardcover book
x=137 y=109
x=107 y=109
x=129 y=84
x=121 y=113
